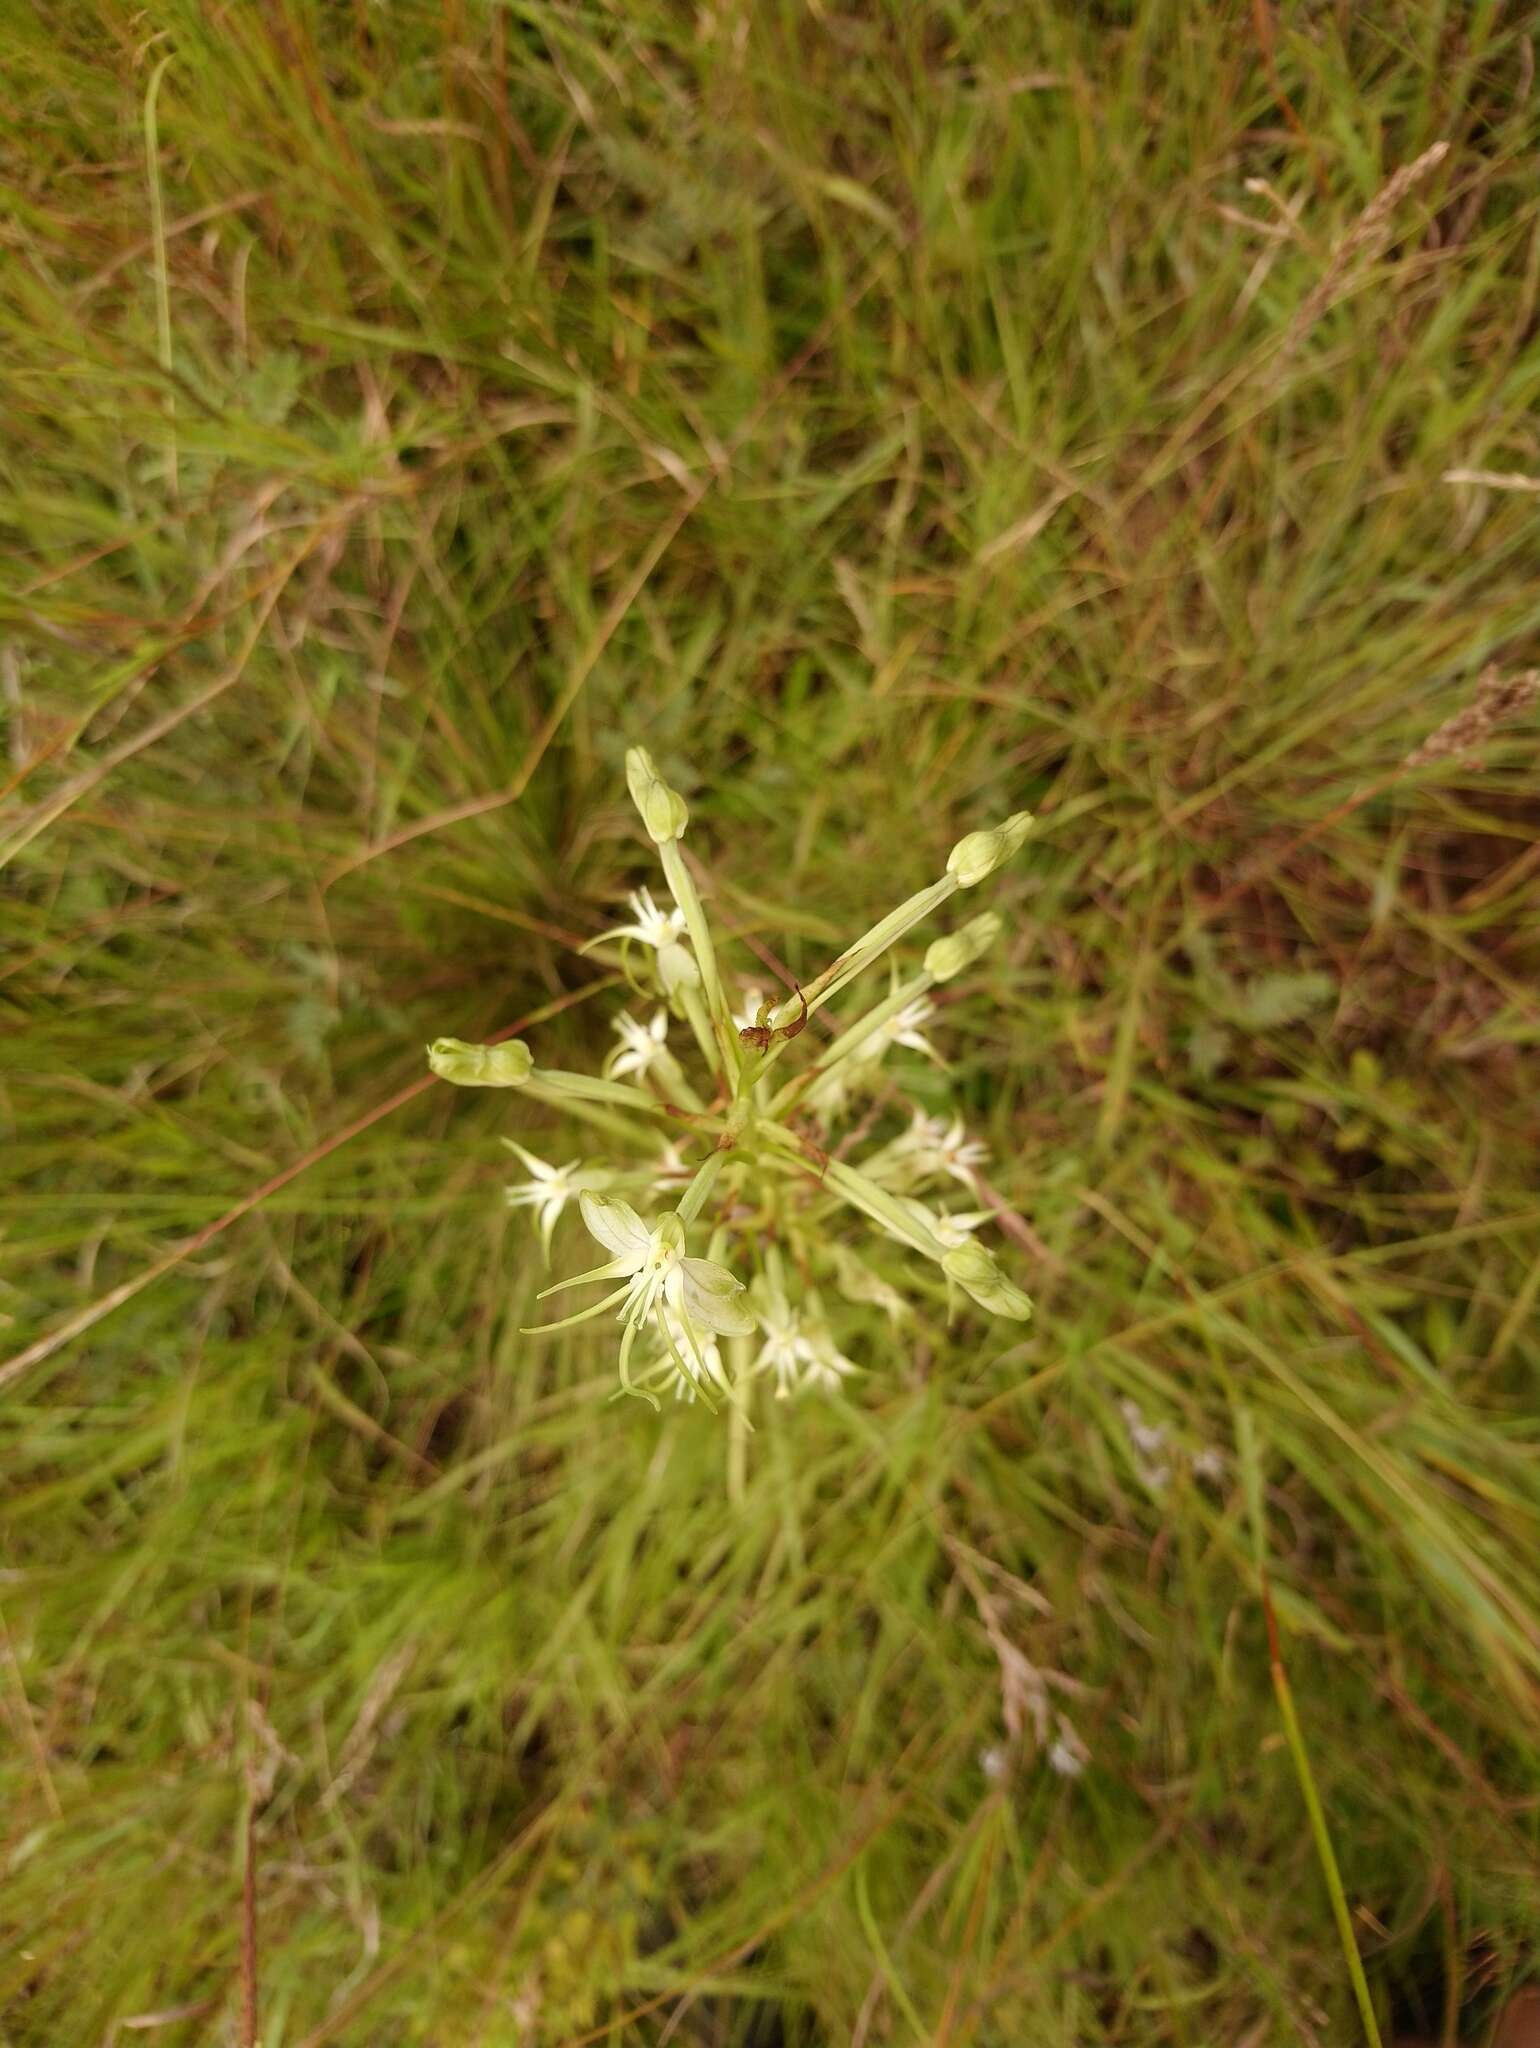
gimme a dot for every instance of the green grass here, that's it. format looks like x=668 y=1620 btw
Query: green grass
x=883 y=412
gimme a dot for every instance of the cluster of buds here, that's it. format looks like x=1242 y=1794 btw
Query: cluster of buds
x=745 y=1154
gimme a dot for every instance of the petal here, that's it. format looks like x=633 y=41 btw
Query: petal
x=712 y=1297
x=628 y=1337
x=550 y=1215
x=537 y=1167
x=617 y=1226
x=613 y=1269
x=918 y=1042
x=582 y=1315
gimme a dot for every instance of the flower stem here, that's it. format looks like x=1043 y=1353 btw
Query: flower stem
x=1318 y=1828
x=701 y=1026
x=869 y=947
x=551 y=1084
x=677 y=875
x=850 y=1041
x=617 y=1128
x=694 y=1197
x=876 y=1202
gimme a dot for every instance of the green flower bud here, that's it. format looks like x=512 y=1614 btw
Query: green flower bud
x=960 y=949
x=663 y=809
x=980 y=853
x=481 y=1066
x=976 y=1269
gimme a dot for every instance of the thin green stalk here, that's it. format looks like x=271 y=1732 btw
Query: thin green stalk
x=872 y=1929
x=1318 y=1828
x=163 y=345
x=868 y=949
x=850 y=1041
x=694 y=1197
x=883 y=1208
x=685 y=895
x=600 y=1119
x=700 y=1024
x=554 y=1084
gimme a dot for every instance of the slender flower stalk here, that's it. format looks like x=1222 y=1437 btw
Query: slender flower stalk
x=908 y=1221
x=550 y=1084
x=679 y=880
x=868 y=949
x=700 y=1025
x=693 y=1200
x=868 y=1038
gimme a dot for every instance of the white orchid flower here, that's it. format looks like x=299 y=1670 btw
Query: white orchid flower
x=956 y=1229
x=904 y=1029
x=828 y=1365
x=933 y=1145
x=786 y=1351
x=798 y=1347
x=695 y=1297
x=663 y=931
x=959 y=1155
x=925 y=1135
x=641 y=1048
x=653 y=927
x=549 y=1189
x=759 y=1146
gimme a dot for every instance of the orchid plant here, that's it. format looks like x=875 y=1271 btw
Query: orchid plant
x=751 y=1143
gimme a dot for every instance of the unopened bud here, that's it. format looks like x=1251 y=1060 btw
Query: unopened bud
x=980 y=853
x=976 y=1269
x=663 y=809
x=481 y=1066
x=960 y=949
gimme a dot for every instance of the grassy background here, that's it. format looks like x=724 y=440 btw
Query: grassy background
x=892 y=414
